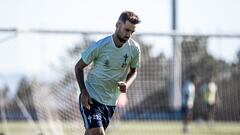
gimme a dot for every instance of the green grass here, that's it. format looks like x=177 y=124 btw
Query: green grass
x=122 y=128
x=172 y=128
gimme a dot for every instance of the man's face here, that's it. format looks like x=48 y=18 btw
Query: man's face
x=125 y=30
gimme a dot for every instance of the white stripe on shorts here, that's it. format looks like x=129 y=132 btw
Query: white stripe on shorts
x=84 y=117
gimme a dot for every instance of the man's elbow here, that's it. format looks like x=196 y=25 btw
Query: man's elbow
x=136 y=71
x=77 y=68
x=80 y=66
x=133 y=71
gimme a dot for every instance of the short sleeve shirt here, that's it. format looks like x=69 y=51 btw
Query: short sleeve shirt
x=110 y=65
x=188 y=94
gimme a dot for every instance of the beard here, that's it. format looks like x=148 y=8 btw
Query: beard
x=122 y=39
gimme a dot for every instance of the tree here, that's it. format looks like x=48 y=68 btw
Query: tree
x=24 y=95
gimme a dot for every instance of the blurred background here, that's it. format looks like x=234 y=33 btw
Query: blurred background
x=41 y=41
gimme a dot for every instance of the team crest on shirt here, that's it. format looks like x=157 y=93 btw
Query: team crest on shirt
x=106 y=63
x=124 y=64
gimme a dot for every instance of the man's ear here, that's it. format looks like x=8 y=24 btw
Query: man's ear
x=118 y=24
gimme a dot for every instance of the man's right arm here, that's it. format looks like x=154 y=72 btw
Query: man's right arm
x=80 y=74
x=85 y=98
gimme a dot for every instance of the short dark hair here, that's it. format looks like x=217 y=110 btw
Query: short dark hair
x=130 y=16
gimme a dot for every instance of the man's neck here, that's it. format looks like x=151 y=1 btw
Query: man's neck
x=117 y=42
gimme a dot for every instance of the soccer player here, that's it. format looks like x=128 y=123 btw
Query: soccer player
x=209 y=98
x=188 y=96
x=115 y=61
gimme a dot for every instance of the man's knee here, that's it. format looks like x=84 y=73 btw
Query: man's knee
x=95 y=131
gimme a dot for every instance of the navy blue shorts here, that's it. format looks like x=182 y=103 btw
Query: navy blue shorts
x=186 y=112
x=99 y=115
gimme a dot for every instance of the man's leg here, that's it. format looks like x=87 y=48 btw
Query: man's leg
x=184 y=119
x=187 y=119
x=211 y=115
x=95 y=131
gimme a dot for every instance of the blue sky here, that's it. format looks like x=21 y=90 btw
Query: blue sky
x=29 y=54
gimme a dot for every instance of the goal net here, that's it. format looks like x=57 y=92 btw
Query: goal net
x=43 y=99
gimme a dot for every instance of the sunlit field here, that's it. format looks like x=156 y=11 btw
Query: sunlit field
x=122 y=128
x=173 y=128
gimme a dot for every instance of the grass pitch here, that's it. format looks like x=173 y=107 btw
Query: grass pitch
x=172 y=128
x=120 y=128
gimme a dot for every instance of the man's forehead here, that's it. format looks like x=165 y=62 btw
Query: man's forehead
x=129 y=24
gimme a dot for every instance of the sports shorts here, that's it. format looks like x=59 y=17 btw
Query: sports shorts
x=99 y=114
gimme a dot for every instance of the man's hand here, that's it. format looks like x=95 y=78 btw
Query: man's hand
x=123 y=86
x=86 y=99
